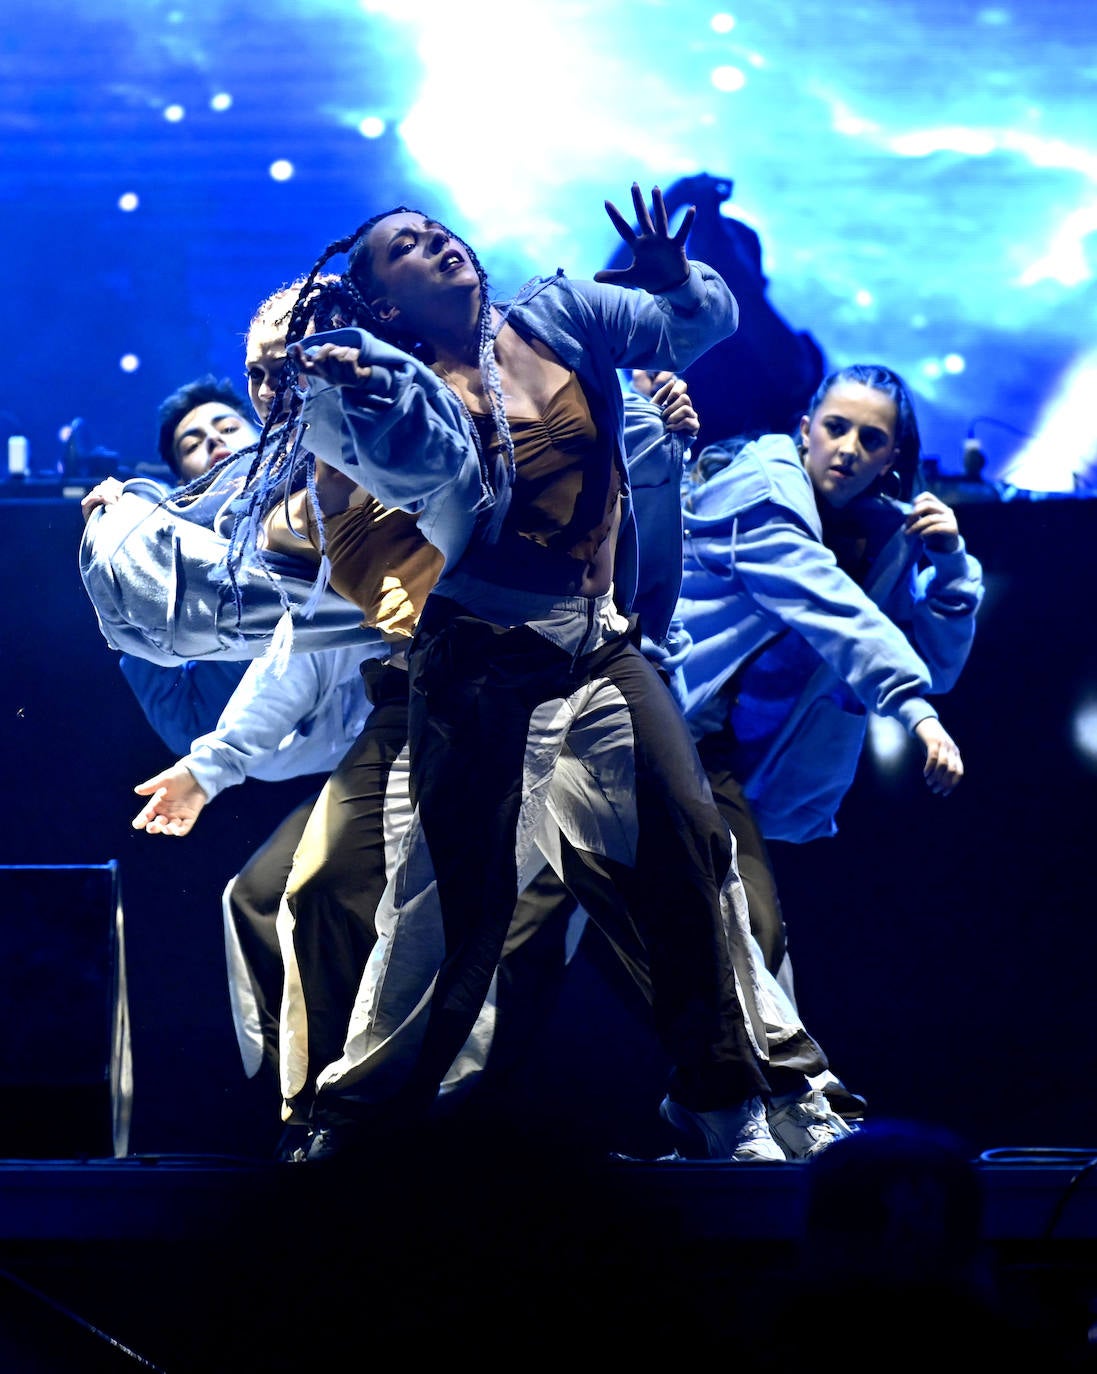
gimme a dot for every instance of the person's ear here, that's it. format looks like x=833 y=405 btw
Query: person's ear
x=890 y=481
x=384 y=309
x=805 y=429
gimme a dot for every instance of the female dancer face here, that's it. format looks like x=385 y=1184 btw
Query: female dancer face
x=417 y=276
x=848 y=441
x=265 y=349
x=265 y=357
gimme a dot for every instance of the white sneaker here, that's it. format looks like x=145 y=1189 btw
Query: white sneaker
x=739 y=1134
x=848 y=1104
x=805 y=1126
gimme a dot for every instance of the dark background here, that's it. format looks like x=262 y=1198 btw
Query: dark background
x=944 y=948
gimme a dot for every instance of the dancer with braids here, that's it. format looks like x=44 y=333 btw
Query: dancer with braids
x=348 y=848
x=307 y=713
x=501 y=428
x=345 y=841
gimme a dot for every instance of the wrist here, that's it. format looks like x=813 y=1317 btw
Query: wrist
x=674 y=286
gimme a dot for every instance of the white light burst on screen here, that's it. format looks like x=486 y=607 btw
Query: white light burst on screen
x=1062 y=454
x=1085 y=731
x=576 y=104
x=728 y=79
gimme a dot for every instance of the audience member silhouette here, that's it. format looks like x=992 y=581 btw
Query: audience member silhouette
x=894 y=1252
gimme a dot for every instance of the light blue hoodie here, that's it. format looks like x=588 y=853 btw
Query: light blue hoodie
x=755 y=566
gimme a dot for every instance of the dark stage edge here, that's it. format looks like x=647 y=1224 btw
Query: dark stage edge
x=161 y=1197
x=179 y=1263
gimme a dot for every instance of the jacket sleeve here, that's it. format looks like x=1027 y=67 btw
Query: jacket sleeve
x=655 y=459
x=401 y=434
x=941 y=616
x=277 y=724
x=795 y=578
x=155 y=578
x=675 y=327
x=183 y=701
x=620 y=327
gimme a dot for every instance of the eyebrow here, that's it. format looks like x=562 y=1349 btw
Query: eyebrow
x=406 y=229
x=196 y=430
x=852 y=424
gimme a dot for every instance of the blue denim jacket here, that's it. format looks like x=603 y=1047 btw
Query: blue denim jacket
x=405 y=438
x=154 y=571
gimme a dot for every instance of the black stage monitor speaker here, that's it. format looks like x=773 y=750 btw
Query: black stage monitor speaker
x=65 y=1065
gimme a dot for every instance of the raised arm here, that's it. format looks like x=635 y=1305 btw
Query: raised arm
x=659 y=261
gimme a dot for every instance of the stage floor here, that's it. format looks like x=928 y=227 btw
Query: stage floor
x=180 y=1263
x=1043 y=1196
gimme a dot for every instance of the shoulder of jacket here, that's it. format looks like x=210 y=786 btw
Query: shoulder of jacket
x=764 y=469
x=535 y=287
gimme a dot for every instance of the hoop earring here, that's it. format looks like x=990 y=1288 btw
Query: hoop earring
x=891 y=484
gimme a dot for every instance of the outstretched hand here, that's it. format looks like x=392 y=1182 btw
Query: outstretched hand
x=659 y=262
x=176 y=802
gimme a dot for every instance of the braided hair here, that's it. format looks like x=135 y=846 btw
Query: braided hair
x=282 y=464
x=360 y=284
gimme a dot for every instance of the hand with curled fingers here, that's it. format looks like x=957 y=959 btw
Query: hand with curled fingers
x=934 y=523
x=943 y=767
x=659 y=261
x=175 y=802
x=104 y=493
x=337 y=364
x=673 y=399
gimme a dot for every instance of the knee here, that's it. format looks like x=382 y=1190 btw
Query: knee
x=261 y=882
x=253 y=891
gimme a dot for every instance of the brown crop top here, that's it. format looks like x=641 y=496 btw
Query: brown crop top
x=567 y=485
x=381 y=562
